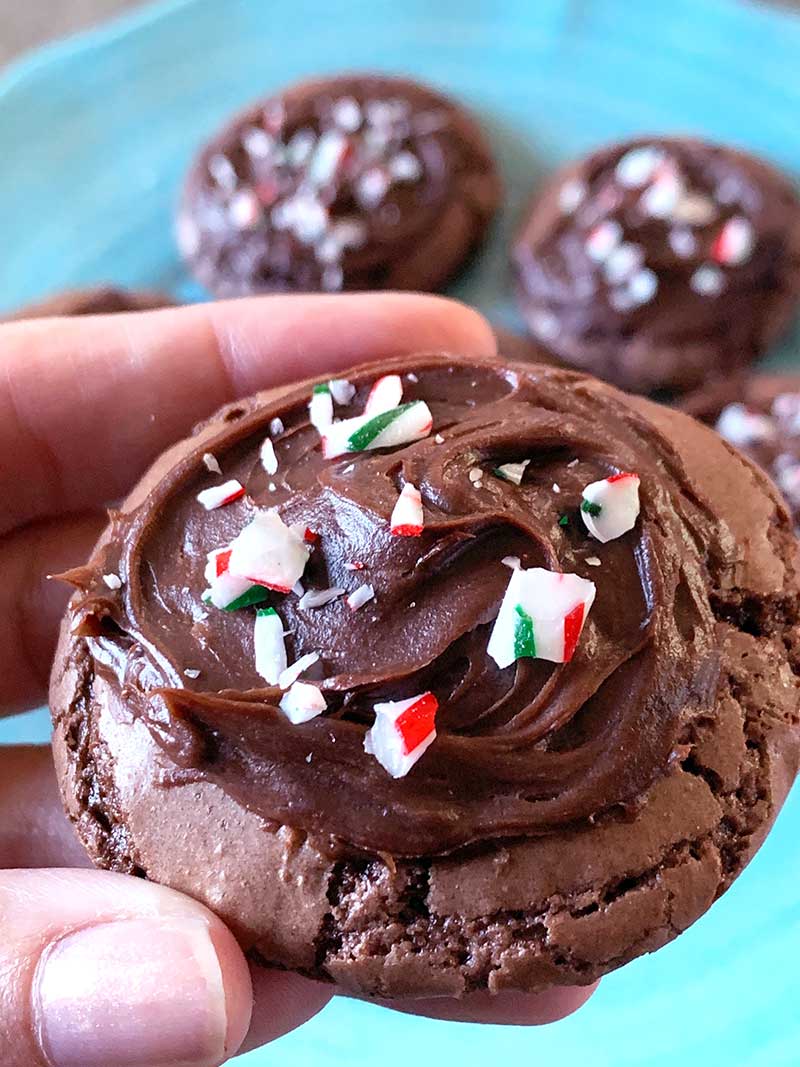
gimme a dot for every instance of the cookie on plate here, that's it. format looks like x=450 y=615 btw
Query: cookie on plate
x=446 y=675
x=354 y=182
x=98 y=300
x=661 y=262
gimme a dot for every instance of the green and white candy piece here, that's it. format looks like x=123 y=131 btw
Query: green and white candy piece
x=270 y=647
x=398 y=426
x=320 y=407
x=226 y=590
x=541 y=616
x=610 y=507
x=512 y=472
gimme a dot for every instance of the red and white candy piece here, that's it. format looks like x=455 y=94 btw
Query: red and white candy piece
x=320 y=408
x=541 y=616
x=302 y=701
x=219 y=495
x=268 y=552
x=400 y=426
x=407 y=518
x=386 y=393
x=223 y=587
x=610 y=507
x=734 y=242
x=403 y=730
x=269 y=645
x=638 y=166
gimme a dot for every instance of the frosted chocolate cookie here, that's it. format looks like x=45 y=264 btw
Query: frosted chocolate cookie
x=657 y=264
x=353 y=182
x=445 y=675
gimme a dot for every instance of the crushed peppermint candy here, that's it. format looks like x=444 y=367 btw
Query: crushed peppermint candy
x=291 y=674
x=610 y=507
x=270 y=647
x=355 y=565
x=512 y=472
x=269 y=460
x=603 y=239
x=320 y=407
x=740 y=426
x=734 y=243
x=276 y=427
x=268 y=552
x=227 y=591
x=318 y=598
x=707 y=280
x=302 y=702
x=439 y=439
x=694 y=209
x=361 y=596
x=594 y=561
x=402 y=732
x=556 y=487
x=386 y=393
x=346 y=113
x=412 y=377
x=541 y=616
x=476 y=475
x=407 y=516
x=682 y=242
x=211 y=463
x=219 y=495
x=401 y=425
x=113 y=581
x=623 y=261
x=192 y=672
x=514 y=562
x=638 y=166
x=571 y=195
x=342 y=391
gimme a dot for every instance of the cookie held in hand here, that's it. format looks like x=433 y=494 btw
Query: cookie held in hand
x=469 y=675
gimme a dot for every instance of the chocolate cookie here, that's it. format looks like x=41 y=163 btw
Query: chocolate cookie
x=450 y=675
x=355 y=182
x=659 y=263
x=514 y=346
x=764 y=423
x=98 y=300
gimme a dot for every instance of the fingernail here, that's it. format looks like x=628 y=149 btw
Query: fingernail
x=133 y=993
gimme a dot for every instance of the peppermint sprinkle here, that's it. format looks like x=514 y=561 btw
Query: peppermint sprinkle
x=113 y=581
x=302 y=702
x=291 y=674
x=402 y=732
x=212 y=463
x=320 y=408
x=573 y=462
x=695 y=210
x=385 y=394
x=512 y=472
x=707 y=280
x=356 y=565
x=682 y=242
x=734 y=243
x=439 y=439
x=329 y=154
x=514 y=562
x=556 y=487
x=638 y=166
x=610 y=507
x=276 y=427
x=221 y=170
x=360 y=597
x=192 y=672
x=332 y=279
x=411 y=377
x=398 y=426
x=269 y=460
x=347 y=114
x=622 y=262
x=219 y=495
x=269 y=645
x=405 y=167
x=407 y=516
x=593 y=561
x=571 y=195
x=244 y=209
x=660 y=199
x=341 y=390
x=476 y=475
x=318 y=598
x=272 y=487
x=371 y=187
x=743 y=427
x=603 y=239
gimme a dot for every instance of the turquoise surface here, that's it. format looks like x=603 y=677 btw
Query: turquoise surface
x=95 y=135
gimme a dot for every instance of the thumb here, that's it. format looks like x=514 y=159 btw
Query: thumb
x=103 y=970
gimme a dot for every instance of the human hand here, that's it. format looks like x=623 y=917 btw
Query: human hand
x=99 y=969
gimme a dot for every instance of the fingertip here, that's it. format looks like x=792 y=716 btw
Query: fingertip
x=237 y=986
x=282 y=1001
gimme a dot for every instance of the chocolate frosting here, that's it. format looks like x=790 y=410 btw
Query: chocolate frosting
x=521 y=751
x=396 y=197
x=626 y=268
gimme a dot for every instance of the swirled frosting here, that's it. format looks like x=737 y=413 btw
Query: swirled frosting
x=520 y=751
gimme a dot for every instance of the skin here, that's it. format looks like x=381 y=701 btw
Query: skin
x=85 y=405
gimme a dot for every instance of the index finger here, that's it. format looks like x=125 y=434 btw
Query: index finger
x=86 y=404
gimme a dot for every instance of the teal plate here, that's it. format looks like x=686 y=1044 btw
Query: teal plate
x=96 y=134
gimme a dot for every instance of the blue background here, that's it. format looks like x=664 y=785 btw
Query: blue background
x=95 y=135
